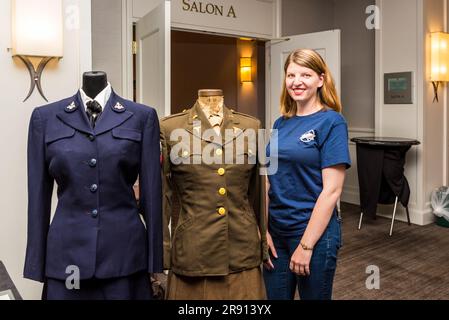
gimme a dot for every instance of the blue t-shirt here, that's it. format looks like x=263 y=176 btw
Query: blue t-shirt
x=306 y=145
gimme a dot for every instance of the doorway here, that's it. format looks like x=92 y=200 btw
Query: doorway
x=207 y=61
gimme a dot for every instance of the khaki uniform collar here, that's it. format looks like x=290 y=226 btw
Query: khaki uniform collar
x=196 y=113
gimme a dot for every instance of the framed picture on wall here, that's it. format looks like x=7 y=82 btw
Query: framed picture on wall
x=398 y=88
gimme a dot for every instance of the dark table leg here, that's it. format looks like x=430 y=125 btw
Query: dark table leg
x=408 y=216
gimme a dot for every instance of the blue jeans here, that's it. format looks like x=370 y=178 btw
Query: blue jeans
x=281 y=283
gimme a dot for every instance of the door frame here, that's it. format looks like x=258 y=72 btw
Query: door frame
x=127 y=51
x=155 y=25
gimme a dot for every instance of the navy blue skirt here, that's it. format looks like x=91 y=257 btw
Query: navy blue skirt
x=133 y=287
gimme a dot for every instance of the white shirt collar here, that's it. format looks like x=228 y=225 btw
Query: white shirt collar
x=102 y=98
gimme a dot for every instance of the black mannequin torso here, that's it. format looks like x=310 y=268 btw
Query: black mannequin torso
x=94 y=82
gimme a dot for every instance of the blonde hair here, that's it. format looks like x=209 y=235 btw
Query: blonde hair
x=327 y=93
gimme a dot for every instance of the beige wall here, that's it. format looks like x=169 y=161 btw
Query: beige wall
x=393 y=40
x=357 y=49
x=60 y=80
x=142 y=7
x=406 y=47
x=433 y=113
x=357 y=63
x=107 y=40
x=306 y=16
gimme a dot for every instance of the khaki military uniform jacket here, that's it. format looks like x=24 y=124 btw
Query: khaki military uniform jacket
x=221 y=227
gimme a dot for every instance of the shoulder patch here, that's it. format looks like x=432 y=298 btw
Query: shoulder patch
x=184 y=113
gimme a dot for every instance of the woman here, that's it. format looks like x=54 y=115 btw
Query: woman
x=304 y=232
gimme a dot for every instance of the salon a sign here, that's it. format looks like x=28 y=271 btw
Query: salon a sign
x=240 y=18
x=209 y=8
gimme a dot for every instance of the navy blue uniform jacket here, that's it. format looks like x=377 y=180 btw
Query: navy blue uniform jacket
x=96 y=226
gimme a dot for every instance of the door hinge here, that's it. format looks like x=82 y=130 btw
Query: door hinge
x=134 y=47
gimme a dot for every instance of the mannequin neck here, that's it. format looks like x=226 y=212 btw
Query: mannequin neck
x=94 y=82
x=212 y=104
x=211 y=101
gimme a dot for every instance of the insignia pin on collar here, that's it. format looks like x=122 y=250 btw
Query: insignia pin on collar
x=118 y=107
x=71 y=107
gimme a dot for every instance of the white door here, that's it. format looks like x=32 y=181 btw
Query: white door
x=326 y=43
x=153 y=59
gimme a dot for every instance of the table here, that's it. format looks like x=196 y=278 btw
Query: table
x=380 y=163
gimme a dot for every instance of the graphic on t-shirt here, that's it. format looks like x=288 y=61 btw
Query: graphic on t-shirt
x=308 y=136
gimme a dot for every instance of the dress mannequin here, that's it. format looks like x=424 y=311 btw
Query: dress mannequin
x=99 y=230
x=211 y=102
x=215 y=249
x=94 y=82
x=95 y=93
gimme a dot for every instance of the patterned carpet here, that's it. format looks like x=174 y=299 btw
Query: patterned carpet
x=413 y=263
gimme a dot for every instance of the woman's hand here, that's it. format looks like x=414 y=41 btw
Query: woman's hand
x=272 y=250
x=300 y=261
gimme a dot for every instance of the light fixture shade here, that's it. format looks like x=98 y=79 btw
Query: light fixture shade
x=245 y=70
x=439 y=56
x=37 y=28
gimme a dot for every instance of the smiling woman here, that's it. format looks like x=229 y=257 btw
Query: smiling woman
x=307 y=77
x=304 y=228
x=301 y=82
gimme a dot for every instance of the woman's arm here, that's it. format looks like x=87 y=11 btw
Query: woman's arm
x=333 y=180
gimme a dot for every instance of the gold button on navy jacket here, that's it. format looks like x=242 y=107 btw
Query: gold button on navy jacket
x=97 y=226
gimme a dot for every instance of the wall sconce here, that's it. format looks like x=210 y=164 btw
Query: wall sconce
x=37 y=33
x=439 y=60
x=245 y=70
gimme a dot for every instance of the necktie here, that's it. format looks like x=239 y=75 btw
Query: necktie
x=93 y=111
x=215 y=120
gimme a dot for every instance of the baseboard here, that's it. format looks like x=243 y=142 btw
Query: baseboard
x=417 y=217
